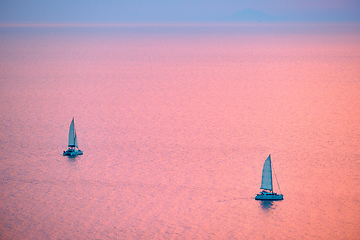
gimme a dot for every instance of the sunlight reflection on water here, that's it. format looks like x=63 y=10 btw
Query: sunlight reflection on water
x=175 y=126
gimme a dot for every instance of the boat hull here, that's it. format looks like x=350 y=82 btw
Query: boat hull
x=72 y=153
x=269 y=196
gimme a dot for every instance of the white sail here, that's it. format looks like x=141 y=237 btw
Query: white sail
x=72 y=134
x=266 y=182
x=76 y=143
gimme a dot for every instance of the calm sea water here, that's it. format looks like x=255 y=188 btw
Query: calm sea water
x=175 y=123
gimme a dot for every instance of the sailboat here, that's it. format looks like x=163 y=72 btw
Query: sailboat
x=267 y=192
x=73 y=149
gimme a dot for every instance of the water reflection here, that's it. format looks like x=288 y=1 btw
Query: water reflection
x=266 y=205
x=71 y=158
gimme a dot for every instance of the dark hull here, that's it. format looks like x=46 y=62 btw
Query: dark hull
x=72 y=152
x=269 y=197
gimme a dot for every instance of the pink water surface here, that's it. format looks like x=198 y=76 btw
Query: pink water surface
x=175 y=123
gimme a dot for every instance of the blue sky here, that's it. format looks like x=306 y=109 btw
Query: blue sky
x=177 y=10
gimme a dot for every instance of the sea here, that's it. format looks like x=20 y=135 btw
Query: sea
x=175 y=122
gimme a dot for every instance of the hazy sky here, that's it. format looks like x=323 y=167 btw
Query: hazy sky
x=177 y=10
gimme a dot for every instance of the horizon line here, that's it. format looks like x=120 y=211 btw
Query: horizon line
x=164 y=24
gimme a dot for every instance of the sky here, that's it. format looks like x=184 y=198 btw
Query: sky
x=109 y=11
